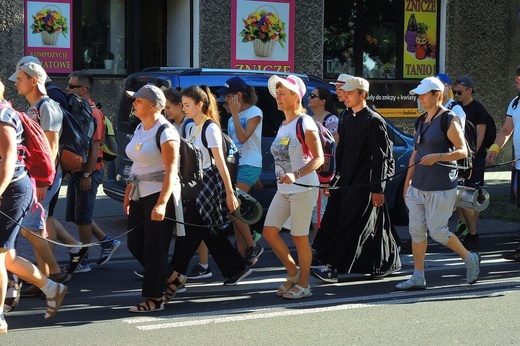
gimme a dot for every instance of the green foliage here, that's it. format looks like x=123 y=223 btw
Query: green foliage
x=501 y=208
x=422 y=27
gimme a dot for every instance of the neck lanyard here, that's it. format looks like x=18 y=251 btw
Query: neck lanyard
x=421 y=132
x=199 y=127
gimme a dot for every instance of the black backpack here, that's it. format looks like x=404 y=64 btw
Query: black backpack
x=190 y=166
x=470 y=136
x=326 y=171
x=78 y=127
x=231 y=155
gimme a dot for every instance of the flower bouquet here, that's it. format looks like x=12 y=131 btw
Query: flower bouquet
x=264 y=29
x=49 y=23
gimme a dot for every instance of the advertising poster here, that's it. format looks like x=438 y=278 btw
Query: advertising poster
x=392 y=99
x=262 y=35
x=48 y=34
x=420 y=39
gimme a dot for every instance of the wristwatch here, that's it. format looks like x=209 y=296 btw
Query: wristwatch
x=87 y=175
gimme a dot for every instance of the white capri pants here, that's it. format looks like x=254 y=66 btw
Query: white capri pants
x=297 y=205
x=430 y=210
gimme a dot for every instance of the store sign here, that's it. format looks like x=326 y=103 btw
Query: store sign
x=48 y=34
x=262 y=35
x=392 y=99
x=420 y=39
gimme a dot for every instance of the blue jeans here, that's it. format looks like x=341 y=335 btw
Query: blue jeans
x=16 y=200
x=80 y=204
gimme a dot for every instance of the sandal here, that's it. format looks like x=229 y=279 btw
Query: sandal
x=173 y=286
x=293 y=280
x=298 y=292
x=146 y=306
x=61 y=291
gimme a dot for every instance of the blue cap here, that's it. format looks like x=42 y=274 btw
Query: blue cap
x=232 y=86
x=444 y=78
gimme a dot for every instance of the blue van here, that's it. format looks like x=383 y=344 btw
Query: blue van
x=168 y=77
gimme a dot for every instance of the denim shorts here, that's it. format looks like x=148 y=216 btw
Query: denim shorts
x=16 y=200
x=33 y=221
x=80 y=204
x=248 y=174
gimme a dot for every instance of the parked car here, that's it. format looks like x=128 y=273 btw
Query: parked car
x=166 y=77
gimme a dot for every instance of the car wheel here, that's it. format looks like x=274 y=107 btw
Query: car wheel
x=399 y=213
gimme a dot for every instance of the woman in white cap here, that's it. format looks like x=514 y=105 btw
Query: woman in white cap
x=431 y=188
x=148 y=196
x=291 y=165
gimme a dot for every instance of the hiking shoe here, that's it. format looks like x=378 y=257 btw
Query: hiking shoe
x=256 y=236
x=461 y=230
x=235 y=279
x=108 y=250
x=61 y=277
x=412 y=284
x=198 y=272
x=76 y=259
x=470 y=242
x=252 y=254
x=473 y=269
x=326 y=273
x=12 y=296
x=31 y=291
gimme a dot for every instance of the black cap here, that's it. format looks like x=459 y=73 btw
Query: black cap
x=466 y=81
x=233 y=85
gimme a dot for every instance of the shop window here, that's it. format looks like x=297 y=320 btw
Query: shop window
x=103 y=36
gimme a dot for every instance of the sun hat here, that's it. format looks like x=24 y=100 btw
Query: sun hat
x=354 y=83
x=291 y=82
x=342 y=78
x=428 y=84
x=24 y=60
x=35 y=70
x=150 y=93
x=232 y=86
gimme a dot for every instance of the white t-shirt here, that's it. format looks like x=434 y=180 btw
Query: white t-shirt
x=459 y=112
x=251 y=150
x=515 y=114
x=146 y=157
x=288 y=155
x=213 y=137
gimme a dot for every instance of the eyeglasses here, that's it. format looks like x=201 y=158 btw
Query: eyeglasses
x=456 y=92
x=313 y=96
x=72 y=86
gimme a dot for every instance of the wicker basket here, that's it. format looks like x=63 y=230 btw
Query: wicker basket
x=49 y=39
x=263 y=49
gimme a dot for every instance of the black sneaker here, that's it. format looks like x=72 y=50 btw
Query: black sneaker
x=107 y=251
x=235 y=279
x=61 y=277
x=513 y=256
x=316 y=263
x=31 y=291
x=470 y=241
x=75 y=259
x=198 y=272
x=252 y=254
x=326 y=273
x=461 y=230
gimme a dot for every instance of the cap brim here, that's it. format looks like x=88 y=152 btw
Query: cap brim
x=42 y=89
x=133 y=94
x=421 y=89
x=223 y=91
x=13 y=77
x=271 y=84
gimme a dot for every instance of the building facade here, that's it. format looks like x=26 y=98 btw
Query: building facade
x=479 y=38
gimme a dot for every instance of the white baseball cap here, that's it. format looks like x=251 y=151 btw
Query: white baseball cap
x=35 y=70
x=342 y=78
x=354 y=83
x=428 y=84
x=24 y=60
x=291 y=82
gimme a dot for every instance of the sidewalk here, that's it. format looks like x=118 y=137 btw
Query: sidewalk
x=110 y=217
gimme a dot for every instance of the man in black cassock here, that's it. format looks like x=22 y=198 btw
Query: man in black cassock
x=356 y=234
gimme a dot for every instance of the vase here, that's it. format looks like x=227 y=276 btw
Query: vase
x=109 y=63
x=263 y=49
x=49 y=38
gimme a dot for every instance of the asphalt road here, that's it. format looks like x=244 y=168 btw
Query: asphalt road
x=356 y=311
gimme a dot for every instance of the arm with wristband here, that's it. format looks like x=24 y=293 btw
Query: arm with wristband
x=501 y=139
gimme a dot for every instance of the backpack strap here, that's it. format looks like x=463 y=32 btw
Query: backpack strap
x=326 y=117
x=158 y=136
x=205 y=140
x=515 y=102
x=419 y=120
x=300 y=134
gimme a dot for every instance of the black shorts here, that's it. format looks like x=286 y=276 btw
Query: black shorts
x=477 y=173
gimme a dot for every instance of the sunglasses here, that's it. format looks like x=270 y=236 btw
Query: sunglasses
x=72 y=86
x=458 y=92
x=313 y=96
